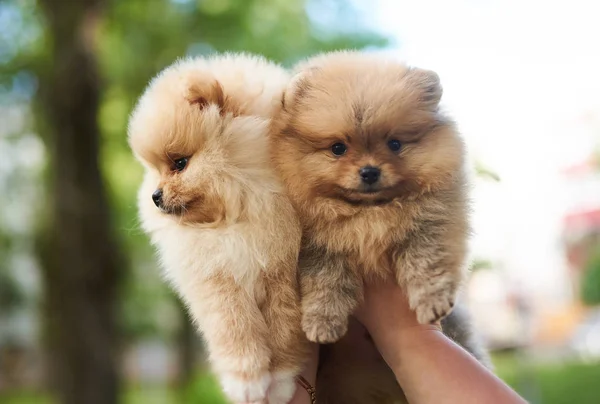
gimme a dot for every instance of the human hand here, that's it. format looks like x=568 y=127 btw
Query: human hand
x=413 y=350
x=385 y=313
x=385 y=306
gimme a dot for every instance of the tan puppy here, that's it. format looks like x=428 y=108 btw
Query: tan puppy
x=227 y=236
x=376 y=172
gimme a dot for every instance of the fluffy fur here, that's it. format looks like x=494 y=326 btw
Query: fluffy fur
x=227 y=236
x=410 y=223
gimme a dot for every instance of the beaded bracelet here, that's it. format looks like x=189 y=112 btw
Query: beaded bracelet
x=310 y=389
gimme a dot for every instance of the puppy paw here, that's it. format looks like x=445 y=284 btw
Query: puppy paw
x=282 y=387
x=244 y=389
x=324 y=329
x=433 y=309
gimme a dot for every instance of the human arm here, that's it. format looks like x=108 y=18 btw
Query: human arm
x=429 y=367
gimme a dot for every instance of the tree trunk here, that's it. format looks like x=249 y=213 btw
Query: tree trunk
x=80 y=255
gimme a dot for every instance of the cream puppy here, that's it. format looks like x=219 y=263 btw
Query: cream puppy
x=227 y=236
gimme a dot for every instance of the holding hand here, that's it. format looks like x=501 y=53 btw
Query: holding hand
x=427 y=364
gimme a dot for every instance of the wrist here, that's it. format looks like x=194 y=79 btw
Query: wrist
x=310 y=369
x=392 y=342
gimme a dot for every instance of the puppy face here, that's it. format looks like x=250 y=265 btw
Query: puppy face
x=365 y=131
x=196 y=149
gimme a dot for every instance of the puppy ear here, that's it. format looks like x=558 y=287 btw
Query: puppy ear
x=293 y=91
x=297 y=88
x=205 y=92
x=428 y=86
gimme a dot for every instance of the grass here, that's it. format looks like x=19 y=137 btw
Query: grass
x=24 y=398
x=558 y=383
x=204 y=390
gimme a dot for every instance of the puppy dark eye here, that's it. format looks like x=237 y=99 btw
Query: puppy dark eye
x=394 y=145
x=339 y=149
x=180 y=164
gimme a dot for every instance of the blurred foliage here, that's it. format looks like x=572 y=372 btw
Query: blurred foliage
x=11 y=293
x=480 y=263
x=484 y=172
x=590 y=286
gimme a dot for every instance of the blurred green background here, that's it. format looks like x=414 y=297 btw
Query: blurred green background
x=84 y=315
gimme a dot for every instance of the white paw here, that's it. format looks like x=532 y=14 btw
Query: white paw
x=282 y=388
x=242 y=390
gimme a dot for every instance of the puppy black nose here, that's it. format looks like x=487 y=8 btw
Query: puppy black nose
x=369 y=174
x=157 y=197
